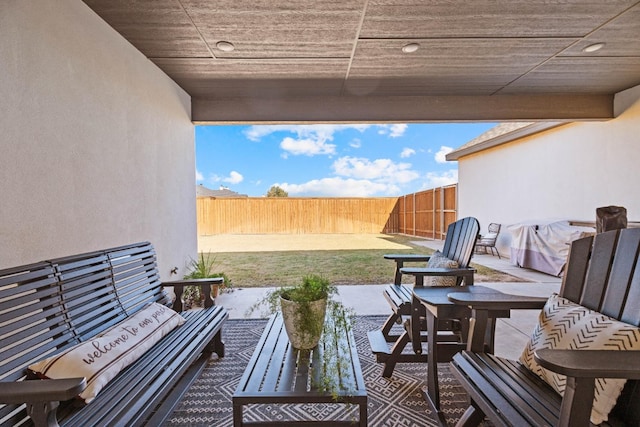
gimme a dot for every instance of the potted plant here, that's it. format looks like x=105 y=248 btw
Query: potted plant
x=202 y=268
x=310 y=313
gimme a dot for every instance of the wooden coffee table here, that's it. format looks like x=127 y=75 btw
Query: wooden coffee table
x=279 y=374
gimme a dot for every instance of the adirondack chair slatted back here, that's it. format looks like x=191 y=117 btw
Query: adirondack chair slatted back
x=461 y=240
x=603 y=274
x=610 y=282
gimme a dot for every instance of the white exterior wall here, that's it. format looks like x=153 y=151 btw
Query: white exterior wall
x=563 y=173
x=97 y=143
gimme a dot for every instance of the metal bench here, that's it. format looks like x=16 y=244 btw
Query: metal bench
x=52 y=305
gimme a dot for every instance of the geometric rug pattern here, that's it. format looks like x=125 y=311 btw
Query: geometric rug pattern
x=396 y=401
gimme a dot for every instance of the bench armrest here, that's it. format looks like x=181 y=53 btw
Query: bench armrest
x=32 y=391
x=189 y=282
x=591 y=363
x=497 y=301
x=205 y=286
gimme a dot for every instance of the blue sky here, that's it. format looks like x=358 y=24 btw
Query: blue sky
x=360 y=160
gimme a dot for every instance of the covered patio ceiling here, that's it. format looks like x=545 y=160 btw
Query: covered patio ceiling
x=302 y=61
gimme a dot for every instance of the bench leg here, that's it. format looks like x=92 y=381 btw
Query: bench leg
x=471 y=417
x=43 y=414
x=217 y=345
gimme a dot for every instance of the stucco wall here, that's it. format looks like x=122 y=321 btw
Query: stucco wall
x=97 y=144
x=563 y=173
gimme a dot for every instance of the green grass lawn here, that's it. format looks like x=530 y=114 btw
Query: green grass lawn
x=341 y=267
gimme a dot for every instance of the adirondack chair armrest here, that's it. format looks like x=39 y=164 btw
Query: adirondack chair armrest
x=407 y=257
x=424 y=271
x=205 y=286
x=33 y=391
x=497 y=301
x=421 y=272
x=591 y=363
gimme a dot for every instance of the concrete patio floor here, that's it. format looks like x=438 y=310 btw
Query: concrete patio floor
x=512 y=333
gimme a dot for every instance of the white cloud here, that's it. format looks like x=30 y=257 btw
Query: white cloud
x=199 y=176
x=397 y=130
x=357 y=177
x=407 y=152
x=307 y=146
x=339 y=187
x=355 y=143
x=440 y=179
x=233 y=178
x=440 y=155
x=256 y=132
x=381 y=170
x=394 y=131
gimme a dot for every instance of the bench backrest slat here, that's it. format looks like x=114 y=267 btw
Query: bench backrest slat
x=135 y=275
x=30 y=305
x=90 y=301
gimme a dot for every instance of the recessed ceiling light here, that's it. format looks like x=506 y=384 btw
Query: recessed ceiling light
x=593 y=47
x=225 y=46
x=410 y=48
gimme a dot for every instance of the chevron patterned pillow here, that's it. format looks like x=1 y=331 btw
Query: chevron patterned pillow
x=438 y=260
x=563 y=324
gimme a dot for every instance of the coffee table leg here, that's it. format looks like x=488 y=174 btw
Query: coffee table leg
x=237 y=415
x=363 y=414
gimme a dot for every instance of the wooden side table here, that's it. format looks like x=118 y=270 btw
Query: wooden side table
x=440 y=308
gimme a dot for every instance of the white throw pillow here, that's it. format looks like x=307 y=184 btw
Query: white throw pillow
x=563 y=324
x=100 y=359
x=438 y=260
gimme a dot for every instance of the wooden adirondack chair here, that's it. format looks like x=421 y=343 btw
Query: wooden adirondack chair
x=459 y=246
x=603 y=276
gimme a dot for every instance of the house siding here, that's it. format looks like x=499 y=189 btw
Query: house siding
x=97 y=142
x=563 y=173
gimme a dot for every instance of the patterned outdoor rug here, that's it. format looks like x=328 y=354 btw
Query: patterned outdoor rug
x=391 y=402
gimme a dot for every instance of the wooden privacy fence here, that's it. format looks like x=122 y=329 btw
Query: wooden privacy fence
x=428 y=213
x=293 y=215
x=425 y=214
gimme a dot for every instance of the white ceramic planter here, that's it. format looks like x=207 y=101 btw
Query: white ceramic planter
x=300 y=339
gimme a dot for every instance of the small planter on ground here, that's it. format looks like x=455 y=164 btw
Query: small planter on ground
x=203 y=268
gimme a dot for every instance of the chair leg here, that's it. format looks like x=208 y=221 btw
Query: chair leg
x=497 y=253
x=396 y=351
x=388 y=324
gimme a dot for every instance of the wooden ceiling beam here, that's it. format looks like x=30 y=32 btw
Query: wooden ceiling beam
x=406 y=109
